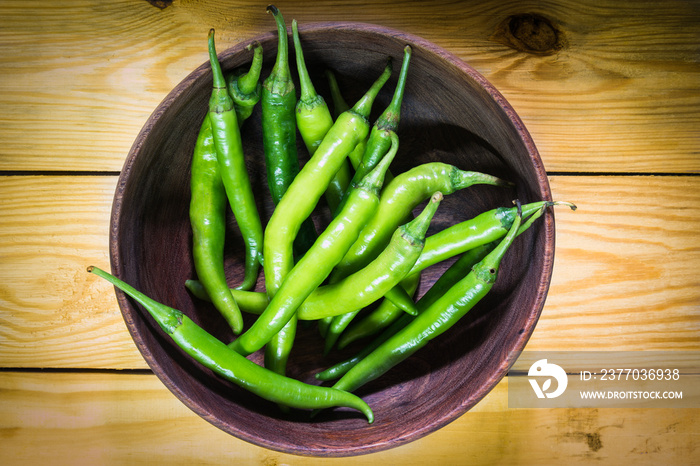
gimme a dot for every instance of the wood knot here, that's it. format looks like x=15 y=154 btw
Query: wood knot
x=594 y=442
x=531 y=33
x=162 y=4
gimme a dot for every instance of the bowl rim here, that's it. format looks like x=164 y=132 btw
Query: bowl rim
x=504 y=364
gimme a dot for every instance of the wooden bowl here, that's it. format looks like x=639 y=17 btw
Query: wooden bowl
x=450 y=114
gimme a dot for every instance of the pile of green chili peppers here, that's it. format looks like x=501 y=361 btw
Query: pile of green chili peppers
x=365 y=262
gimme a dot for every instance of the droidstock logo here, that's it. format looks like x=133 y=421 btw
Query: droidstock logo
x=546 y=371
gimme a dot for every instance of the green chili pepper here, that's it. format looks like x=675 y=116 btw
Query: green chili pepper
x=215 y=355
x=312 y=114
x=339 y=103
x=229 y=153
x=209 y=201
x=278 y=104
x=373 y=281
x=208 y=205
x=313 y=268
x=278 y=121
x=279 y=348
x=314 y=120
x=400 y=196
x=324 y=324
x=279 y=130
x=434 y=320
x=245 y=87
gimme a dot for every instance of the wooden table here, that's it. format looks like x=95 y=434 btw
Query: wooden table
x=609 y=90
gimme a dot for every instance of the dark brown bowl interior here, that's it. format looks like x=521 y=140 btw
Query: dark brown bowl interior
x=450 y=114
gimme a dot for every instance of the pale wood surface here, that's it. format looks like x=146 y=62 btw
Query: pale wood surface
x=78 y=80
x=93 y=418
x=81 y=78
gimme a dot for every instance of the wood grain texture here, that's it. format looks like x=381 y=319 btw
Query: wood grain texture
x=98 y=418
x=53 y=314
x=627 y=266
x=79 y=79
x=625 y=271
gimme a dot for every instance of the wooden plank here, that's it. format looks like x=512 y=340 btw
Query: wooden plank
x=80 y=78
x=627 y=266
x=97 y=418
x=54 y=315
x=626 y=270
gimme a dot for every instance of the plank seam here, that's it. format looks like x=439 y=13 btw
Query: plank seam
x=79 y=370
x=117 y=173
x=58 y=173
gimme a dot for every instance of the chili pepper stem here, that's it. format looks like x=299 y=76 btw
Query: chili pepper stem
x=417 y=227
x=488 y=267
x=307 y=92
x=168 y=318
x=389 y=119
x=571 y=205
x=375 y=178
x=220 y=97
x=248 y=82
x=339 y=103
x=244 y=87
x=364 y=105
x=461 y=179
x=279 y=81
